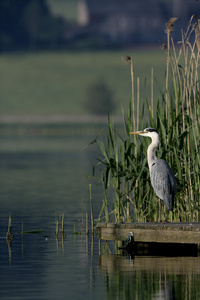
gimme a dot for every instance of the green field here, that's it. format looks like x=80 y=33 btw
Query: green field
x=58 y=82
x=66 y=9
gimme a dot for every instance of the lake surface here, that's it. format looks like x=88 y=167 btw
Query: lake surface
x=41 y=178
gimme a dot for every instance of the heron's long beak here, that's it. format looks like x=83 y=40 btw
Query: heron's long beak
x=137 y=132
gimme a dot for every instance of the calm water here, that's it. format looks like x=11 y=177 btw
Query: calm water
x=42 y=178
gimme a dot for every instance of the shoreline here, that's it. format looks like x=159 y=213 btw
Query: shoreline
x=12 y=119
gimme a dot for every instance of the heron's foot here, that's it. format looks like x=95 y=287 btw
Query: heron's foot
x=162 y=221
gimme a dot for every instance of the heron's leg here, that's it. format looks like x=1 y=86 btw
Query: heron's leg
x=159 y=211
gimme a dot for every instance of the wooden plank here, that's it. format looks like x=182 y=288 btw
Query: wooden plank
x=188 y=233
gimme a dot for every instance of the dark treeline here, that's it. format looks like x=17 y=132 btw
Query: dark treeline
x=29 y=25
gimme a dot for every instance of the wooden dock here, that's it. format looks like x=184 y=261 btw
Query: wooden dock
x=174 y=233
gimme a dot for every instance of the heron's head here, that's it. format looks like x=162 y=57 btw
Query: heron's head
x=150 y=132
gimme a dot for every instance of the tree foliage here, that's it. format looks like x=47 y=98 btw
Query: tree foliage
x=28 y=25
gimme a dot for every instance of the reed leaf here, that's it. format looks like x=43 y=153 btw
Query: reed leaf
x=177 y=119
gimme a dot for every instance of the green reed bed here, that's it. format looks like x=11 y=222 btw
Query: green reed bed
x=122 y=162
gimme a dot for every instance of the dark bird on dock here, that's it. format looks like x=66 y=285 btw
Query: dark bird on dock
x=161 y=175
x=128 y=244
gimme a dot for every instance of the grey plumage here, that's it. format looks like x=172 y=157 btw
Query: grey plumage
x=162 y=177
x=163 y=182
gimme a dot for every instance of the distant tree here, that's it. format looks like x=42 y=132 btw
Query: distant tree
x=100 y=98
x=32 y=19
x=28 y=23
x=11 y=31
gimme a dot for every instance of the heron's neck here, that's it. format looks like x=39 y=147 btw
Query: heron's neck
x=151 y=151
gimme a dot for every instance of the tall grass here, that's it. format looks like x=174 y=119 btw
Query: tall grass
x=123 y=162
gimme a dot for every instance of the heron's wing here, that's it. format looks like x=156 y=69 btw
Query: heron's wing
x=163 y=182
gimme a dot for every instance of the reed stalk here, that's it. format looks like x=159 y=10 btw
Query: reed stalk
x=86 y=222
x=106 y=205
x=9 y=224
x=62 y=224
x=9 y=235
x=152 y=104
x=138 y=102
x=91 y=209
x=124 y=164
x=168 y=31
x=57 y=226
x=132 y=88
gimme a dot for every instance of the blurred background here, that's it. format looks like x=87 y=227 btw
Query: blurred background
x=63 y=57
x=61 y=73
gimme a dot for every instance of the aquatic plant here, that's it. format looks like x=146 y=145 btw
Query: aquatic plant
x=9 y=236
x=122 y=162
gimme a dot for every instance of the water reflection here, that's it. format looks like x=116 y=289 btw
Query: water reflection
x=143 y=277
x=39 y=182
x=66 y=265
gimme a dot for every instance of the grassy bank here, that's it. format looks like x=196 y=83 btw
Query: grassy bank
x=58 y=82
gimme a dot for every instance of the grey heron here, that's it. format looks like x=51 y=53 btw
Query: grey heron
x=161 y=175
